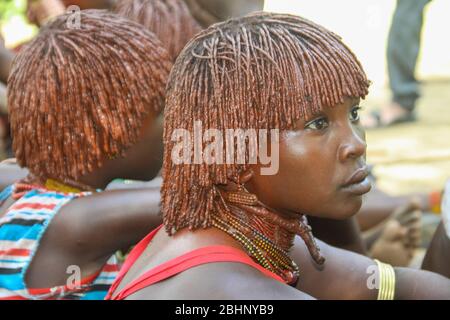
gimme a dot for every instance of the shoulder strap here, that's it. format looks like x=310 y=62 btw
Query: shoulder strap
x=131 y=259
x=187 y=261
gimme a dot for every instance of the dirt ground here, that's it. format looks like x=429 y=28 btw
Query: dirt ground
x=414 y=157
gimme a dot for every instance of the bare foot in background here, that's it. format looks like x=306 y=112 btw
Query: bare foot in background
x=388 y=115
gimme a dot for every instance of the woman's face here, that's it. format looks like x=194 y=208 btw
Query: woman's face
x=143 y=160
x=322 y=167
x=145 y=157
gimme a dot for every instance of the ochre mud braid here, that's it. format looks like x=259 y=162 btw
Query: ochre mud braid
x=263 y=71
x=79 y=96
x=170 y=20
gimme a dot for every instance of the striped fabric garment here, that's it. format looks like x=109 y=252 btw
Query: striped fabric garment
x=21 y=229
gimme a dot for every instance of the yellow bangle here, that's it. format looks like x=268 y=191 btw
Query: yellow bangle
x=386 y=290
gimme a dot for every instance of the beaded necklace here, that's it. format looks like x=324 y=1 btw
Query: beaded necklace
x=29 y=184
x=258 y=246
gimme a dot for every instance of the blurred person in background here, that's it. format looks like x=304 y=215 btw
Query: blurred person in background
x=207 y=12
x=402 y=51
x=40 y=11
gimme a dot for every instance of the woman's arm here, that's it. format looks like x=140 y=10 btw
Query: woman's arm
x=87 y=231
x=132 y=213
x=109 y=221
x=347 y=275
x=437 y=258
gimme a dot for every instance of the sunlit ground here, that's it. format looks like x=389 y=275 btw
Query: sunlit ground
x=407 y=158
x=415 y=157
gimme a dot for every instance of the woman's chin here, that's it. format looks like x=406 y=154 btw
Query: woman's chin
x=342 y=211
x=350 y=208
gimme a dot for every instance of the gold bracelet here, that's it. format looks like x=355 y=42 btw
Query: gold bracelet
x=386 y=280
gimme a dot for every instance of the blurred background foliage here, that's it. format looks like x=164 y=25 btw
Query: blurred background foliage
x=14 y=26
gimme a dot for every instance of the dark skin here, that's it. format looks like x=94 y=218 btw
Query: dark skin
x=437 y=258
x=344 y=234
x=211 y=11
x=378 y=206
x=318 y=156
x=141 y=162
x=88 y=230
x=377 y=210
x=345 y=153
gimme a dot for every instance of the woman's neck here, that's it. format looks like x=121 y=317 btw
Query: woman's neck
x=264 y=241
x=266 y=234
x=273 y=231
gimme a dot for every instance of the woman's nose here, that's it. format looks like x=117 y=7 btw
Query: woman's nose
x=353 y=144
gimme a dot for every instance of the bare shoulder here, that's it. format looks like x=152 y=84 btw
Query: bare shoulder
x=220 y=281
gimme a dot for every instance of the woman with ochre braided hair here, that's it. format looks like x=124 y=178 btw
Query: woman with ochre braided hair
x=85 y=108
x=172 y=22
x=174 y=25
x=231 y=232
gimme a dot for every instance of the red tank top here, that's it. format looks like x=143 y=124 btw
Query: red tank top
x=177 y=265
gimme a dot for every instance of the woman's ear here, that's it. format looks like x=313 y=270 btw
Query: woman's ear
x=236 y=183
x=245 y=176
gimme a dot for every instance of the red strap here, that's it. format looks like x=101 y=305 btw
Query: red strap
x=131 y=259
x=172 y=267
x=189 y=260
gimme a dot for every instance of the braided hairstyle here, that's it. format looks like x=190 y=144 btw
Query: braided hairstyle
x=170 y=20
x=78 y=96
x=262 y=71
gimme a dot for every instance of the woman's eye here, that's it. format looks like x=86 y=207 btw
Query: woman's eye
x=318 y=124
x=354 y=114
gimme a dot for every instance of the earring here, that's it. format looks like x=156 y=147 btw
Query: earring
x=241 y=195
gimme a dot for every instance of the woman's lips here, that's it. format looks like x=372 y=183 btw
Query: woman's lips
x=358 y=183
x=359 y=188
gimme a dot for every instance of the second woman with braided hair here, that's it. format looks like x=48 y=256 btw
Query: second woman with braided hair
x=85 y=104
